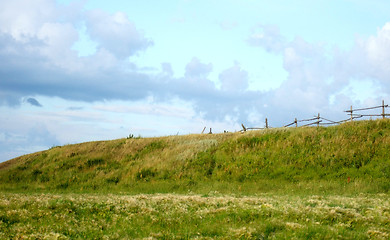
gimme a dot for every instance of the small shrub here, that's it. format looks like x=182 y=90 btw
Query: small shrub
x=63 y=185
x=130 y=136
x=36 y=172
x=94 y=162
x=9 y=220
x=114 y=180
x=145 y=174
x=14 y=177
x=21 y=168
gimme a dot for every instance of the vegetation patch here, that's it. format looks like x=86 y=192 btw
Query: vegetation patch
x=172 y=216
x=145 y=174
x=94 y=162
x=287 y=183
x=357 y=151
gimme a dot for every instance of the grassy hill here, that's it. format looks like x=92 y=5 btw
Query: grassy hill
x=349 y=157
x=287 y=183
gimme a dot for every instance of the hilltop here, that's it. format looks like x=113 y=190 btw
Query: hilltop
x=353 y=156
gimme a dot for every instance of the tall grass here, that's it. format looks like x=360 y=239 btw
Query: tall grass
x=340 y=157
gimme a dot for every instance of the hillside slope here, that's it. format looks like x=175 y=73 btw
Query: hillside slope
x=358 y=151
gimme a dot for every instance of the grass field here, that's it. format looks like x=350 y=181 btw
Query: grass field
x=295 y=183
x=211 y=216
x=358 y=150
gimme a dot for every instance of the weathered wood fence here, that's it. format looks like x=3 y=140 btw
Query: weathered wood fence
x=321 y=121
x=318 y=120
x=354 y=116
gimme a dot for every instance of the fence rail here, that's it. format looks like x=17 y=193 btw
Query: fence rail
x=319 y=120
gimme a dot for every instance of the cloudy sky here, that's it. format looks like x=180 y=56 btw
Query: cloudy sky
x=76 y=71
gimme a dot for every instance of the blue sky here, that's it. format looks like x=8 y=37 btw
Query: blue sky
x=75 y=71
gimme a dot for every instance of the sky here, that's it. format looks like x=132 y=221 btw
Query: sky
x=73 y=71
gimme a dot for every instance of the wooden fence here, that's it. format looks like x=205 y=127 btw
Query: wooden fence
x=321 y=121
x=354 y=116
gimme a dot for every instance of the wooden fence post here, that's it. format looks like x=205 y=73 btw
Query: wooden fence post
x=383 y=109
x=203 y=130
x=243 y=127
x=351 y=114
x=266 y=123
x=296 y=122
x=318 y=120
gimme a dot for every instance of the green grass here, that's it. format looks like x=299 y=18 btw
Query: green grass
x=358 y=151
x=287 y=183
x=171 y=216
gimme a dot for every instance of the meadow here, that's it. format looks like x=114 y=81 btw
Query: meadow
x=191 y=216
x=287 y=183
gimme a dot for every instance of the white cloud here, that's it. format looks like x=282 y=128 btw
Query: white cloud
x=255 y=118
x=44 y=31
x=309 y=85
x=22 y=19
x=167 y=69
x=195 y=81
x=57 y=39
x=116 y=33
x=35 y=32
x=176 y=108
x=234 y=79
x=370 y=58
x=268 y=37
x=21 y=136
x=197 y=69
x=327 y=80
